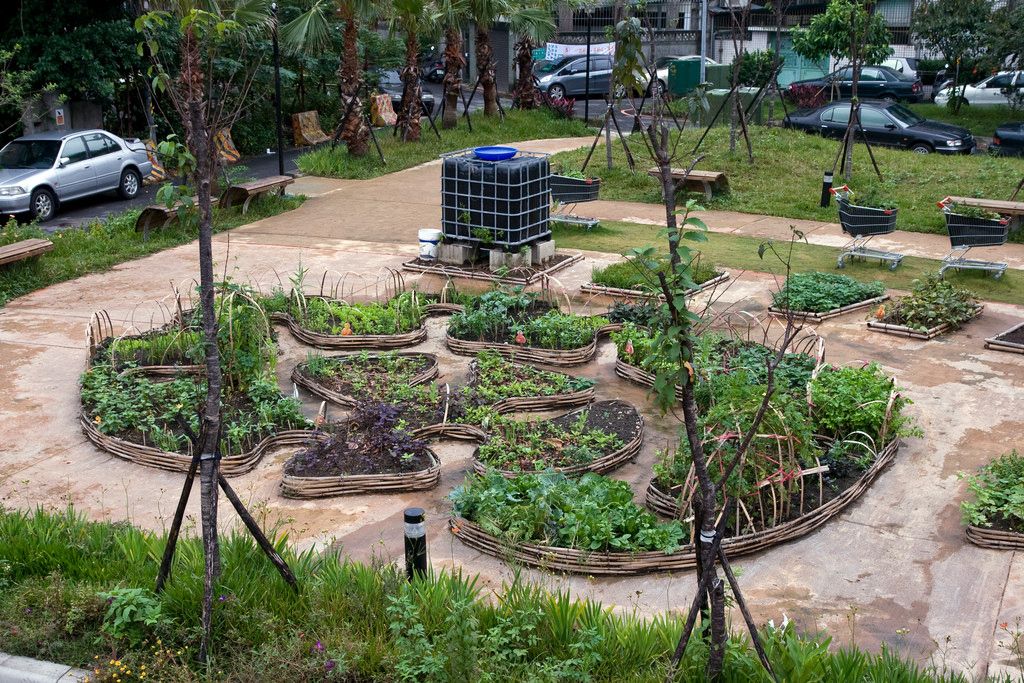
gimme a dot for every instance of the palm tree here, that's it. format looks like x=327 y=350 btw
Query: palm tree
x=412 y=18
x=452 y=14
x=311 y=32
x=534 y=24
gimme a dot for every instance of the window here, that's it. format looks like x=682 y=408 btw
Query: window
x=576 y=67
x=600 y=64
x=844 y=74
x=840 y=114
x=873 y=118
x=99 y=144
x=871 y=75
x=75 y=150
x=1000 y=81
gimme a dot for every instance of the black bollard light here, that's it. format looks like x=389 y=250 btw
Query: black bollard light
x=415 y=543
x=826 y=186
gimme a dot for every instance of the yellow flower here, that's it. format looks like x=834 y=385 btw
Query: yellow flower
x=97 y=419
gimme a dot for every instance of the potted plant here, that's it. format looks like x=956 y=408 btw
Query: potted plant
x=573 y=186
x=973 y=226
x=871 y=213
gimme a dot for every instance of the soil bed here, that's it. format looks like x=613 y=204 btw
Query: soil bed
x=345 y=380
x=1011 y=341
x=482 y=271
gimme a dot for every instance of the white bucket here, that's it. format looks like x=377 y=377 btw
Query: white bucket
x=429 y=239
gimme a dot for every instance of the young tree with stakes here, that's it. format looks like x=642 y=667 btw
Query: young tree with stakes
x=206 y=103
x=675 y=329
x=411 y=17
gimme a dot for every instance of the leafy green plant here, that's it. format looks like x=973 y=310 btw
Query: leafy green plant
x=998 y=490
x=859 y=402
x=931 y=303
x=531 y=446
x=874 y=198
x=497 y=379
x=132 y=614
x=822 y=292
x=635 y=274
x=402 y=313
x=968 y=211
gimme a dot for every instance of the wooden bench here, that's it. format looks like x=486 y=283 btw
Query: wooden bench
x=697 y=180
x=1004 y=207
x=25 y=249
x=246 y=192
x=158 y=216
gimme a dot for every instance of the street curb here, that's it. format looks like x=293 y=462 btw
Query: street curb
x=15 y=669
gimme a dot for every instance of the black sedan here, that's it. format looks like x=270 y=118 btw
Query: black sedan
x=390 y=83
x=885 y=123
x=876 y=82
x=1008 y=140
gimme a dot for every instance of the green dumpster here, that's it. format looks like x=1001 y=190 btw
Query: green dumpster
x=718 y=75
x=683 y=76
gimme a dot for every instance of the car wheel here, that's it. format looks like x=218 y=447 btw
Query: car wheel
x=130 y=183
x=888 y=97
x=556 y=92
x=657 y=88
x=43 y=205
x=921 y=148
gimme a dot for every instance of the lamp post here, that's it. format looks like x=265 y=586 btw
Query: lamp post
x=277 y=93
x=586 y=86
x=703 y=39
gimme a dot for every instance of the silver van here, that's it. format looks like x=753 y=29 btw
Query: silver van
x=568 y=77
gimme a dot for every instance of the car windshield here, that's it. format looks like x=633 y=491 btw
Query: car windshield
x=29 y=154
x=904 y=115
x=390 y=77
x=547 y=66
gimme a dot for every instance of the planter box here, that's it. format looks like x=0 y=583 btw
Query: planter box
x=966 y=231
x=573 y=190
x=524 y=277
x=810 y=317
x=592 y=288
x=904 y=331
x=357 y=484
x=995 y=539
x=866 y=221
x=999 y=345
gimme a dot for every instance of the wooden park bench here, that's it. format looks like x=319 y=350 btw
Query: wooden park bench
x=25 y=249
x=246 y=192
x=306 y=129
x=158 y=216
x=696 y=180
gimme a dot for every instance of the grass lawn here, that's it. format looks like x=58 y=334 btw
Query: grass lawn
x=785 y=179
x=737 y=252
x=518 y=125
x=980 y=120
x=105 y=244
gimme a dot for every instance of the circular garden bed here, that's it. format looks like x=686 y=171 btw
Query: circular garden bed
x=345 y=380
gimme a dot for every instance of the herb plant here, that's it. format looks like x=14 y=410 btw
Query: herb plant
x=973 y=212
x=998 y=490
x=821 y=292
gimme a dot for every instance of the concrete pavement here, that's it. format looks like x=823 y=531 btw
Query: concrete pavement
x=896 y=564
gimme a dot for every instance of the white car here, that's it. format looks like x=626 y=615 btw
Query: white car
x=662 y=64
x=996 y=89
x=905 y=65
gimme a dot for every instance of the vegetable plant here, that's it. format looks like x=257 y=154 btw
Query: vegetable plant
x=820 y=292
x=931 y=303
x=638 y=275
x=998 y=491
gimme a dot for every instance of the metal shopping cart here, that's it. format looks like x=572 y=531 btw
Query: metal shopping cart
x=568 y=192
x=862 y=223
x=969 y=228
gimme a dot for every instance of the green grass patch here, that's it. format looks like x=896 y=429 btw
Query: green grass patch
x=518 y=125
x=634 y=275
x=979 y=120
x=737 y=252
x=107 y=243
x=785 y=179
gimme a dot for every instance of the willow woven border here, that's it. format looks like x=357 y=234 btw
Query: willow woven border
x=593 y=288
x=359 y=484
x=624 y=564
x=995 y=539
x=458 y=272
x=150 y=456
x=352 y=342
x=164 y=371
x=312 y=386
x=451 y=430
x=531 y=354
x=606 y=463
x=443 y=309
x=641 y=377
x=535 y=404
x=810 y=317
x=904 y=331
x=999 y=345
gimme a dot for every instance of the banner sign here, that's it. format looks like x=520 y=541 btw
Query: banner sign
x=556 y=51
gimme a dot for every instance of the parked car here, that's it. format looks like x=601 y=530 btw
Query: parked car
x=907 y=66
x=996 y=89
x=662 y=63
x=885 y=123
x=390 y=83
x=877 y=82
x=1008 y=140
x=38 y=172
x=568 y=77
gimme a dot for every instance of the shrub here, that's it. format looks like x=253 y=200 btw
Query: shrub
x=821 y=292
x=755 y=67
x=998 y=490
x=806 y=96
x=931 y=303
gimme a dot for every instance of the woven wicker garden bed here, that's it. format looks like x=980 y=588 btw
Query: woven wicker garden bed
x=524 y=277
x=904 y=331
x=995 y=539
x=999 y=344
x=357 y=484
x=641 y=377
x=528 y=404
x=593 y=288
x=531 y=354
x=624 y=564
x=150 y=456
x=351 y=342
x=314 y=387
x=811 y=317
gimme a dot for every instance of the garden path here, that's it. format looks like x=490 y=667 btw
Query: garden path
x=896 y=563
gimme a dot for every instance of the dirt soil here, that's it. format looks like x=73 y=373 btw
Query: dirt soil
x=347 y=452
x=1015 y=337
x=372 y=370
x=611 y=417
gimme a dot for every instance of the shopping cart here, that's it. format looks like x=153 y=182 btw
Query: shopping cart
x=862 y=223
x=567 y=192
x=969 y=231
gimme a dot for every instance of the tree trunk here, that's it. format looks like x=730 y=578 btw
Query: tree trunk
x=198 y=136
x=354 y=130
x=485 y=68
x=454 y=63
x=409 y=116
x=524 y=94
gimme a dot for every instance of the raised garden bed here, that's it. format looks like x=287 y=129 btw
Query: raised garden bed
x=515 y=387
x=1011 y=341
x=482 y=271
x=166 y=351
x=933 y=307
x=994 y=538
x=995 y=514
x=525 y=328
x=631 y=280
x=571 y=189
x=815 y=297
x=597 y=438
x=345 y=380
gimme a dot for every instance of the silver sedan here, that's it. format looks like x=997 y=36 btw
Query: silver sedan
x=39 y=171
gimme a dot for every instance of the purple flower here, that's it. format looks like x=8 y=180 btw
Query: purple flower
x=329 y=665
x=319 y=646
x=223 y=598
